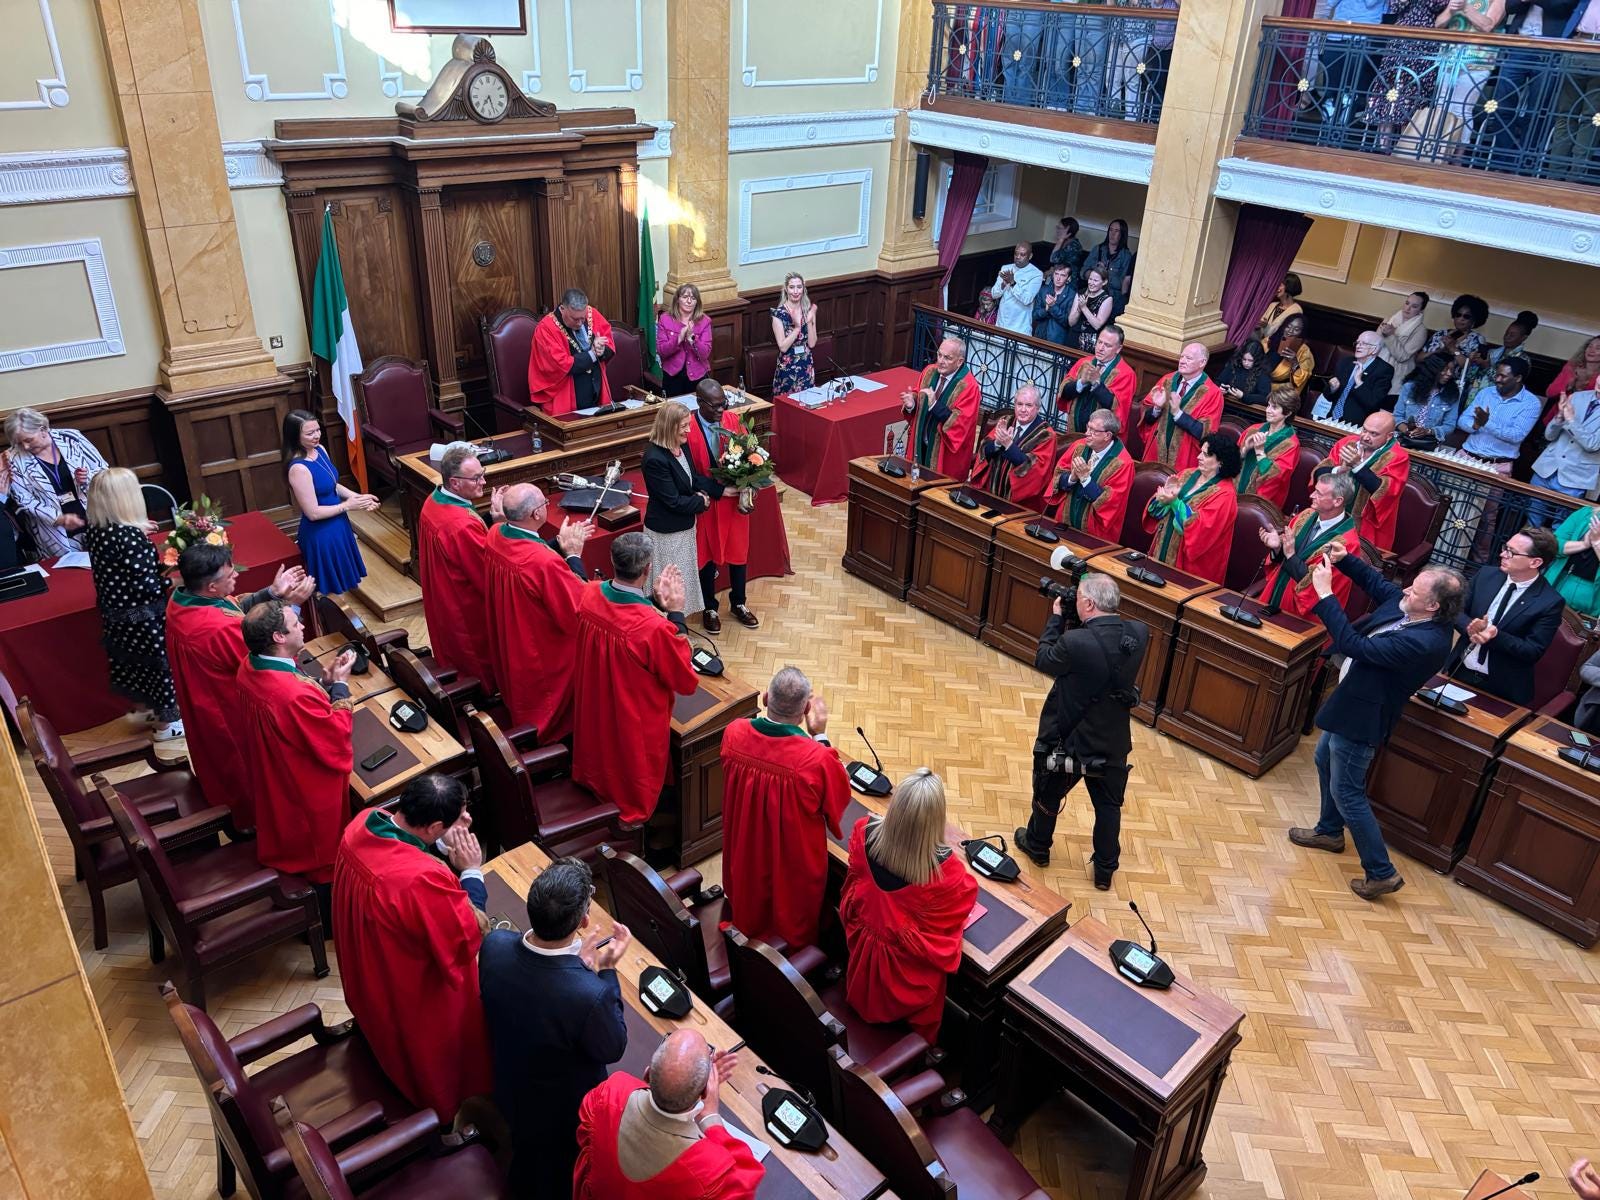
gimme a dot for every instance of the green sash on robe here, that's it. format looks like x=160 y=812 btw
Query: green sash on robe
x=928 y=431
x=1168 y=430
x=1181 y=509
x=1253 y=462
x=1078 y=506
x=1281 y=584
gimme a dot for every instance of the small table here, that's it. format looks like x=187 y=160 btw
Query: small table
x=1428 y=780
x=1237 y=692
x=1537 y=845
x=1150 y=1061
x=952 y=549
x=694 y=788
x=882 y=521
x=838 y=1171
x=1021 y=920
x=813 y=446
x=1017 y=611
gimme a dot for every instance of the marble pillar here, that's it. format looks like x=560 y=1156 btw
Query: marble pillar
x=908 y=243
x=697 y=172
x=1186 y=236
x=159 y=69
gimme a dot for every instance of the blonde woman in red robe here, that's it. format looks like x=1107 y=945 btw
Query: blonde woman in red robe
x=1014 y=461
x=1180 y=411
x=944 y=413
x=452 y=542
x=1192 y=514
x=1270 y=451
x=1093 y=481
x=566 y=363
x=905 y=903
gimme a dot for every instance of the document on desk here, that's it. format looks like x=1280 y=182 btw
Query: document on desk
x=1459 y=694
x=757 y=1147
x=73 y=558
x=629 y=403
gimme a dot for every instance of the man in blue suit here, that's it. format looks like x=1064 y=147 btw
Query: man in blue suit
x=1388 y=655
x=554 y=1009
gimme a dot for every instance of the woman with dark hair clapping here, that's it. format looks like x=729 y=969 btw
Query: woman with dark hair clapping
x=327 y=541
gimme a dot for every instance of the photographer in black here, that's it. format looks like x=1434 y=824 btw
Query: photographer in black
x=1083 y=730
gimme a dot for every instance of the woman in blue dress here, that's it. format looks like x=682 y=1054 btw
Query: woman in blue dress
x=327 y=542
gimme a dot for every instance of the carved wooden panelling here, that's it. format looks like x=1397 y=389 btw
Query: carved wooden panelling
x=489 y=238
x=588 y=252
x=376 y=240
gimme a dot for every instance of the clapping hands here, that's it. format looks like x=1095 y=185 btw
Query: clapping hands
x=670 y=590
x=572 y=535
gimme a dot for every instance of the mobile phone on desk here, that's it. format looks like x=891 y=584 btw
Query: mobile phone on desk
x=378 y=757
x=1580 y=738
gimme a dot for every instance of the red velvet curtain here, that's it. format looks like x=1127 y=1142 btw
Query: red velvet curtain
x=959 y=201
x=1264 y=246
x=1301 y=9
x=1291 y=65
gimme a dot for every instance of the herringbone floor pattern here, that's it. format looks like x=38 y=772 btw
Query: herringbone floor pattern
x=1390 y=1050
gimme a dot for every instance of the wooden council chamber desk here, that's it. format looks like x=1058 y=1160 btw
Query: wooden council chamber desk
x=952 y=549
x=1160 y=608
x=693 y=795
x=1018 y=612
x=882 y=520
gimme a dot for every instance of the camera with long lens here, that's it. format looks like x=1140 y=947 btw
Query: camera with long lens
x=1069 y=564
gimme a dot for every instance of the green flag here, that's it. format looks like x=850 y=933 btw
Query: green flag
x=334 y=341
x=647 y=294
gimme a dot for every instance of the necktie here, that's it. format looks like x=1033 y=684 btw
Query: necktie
x=1505 y=603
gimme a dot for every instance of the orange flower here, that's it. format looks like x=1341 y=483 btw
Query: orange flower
x=757 y=459
x=169 y=556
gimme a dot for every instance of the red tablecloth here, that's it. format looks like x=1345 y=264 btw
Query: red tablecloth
x=769 y=542
x=50 y=649
x=813 y=446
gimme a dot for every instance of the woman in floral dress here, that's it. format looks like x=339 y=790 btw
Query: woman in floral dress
x=794 y=328
x=1406 y=74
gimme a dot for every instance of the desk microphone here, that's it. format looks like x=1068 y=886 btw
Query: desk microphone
x=705 y=662
x=843 y=384
x=869 y=781
x=1436 y=696
x=1530 y=1177
x=1138 y=964
x=487 y=455
x=1238 y=612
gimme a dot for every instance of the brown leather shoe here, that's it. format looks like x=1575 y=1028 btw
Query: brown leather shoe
x=1312 y=840
x=745 y=617
x=1371 y=889
x=710 y=621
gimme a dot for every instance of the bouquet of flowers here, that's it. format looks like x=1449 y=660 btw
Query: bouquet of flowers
x=199 y=522
x=745 y=463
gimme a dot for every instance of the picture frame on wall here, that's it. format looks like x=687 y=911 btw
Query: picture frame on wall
x=458 y=16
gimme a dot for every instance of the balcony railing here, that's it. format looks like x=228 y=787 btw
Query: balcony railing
x=1099 y=61
x=1513 y=105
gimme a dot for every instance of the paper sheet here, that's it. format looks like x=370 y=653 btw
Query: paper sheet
x=757 y=1147
x=1458 y=694
x=74 y=558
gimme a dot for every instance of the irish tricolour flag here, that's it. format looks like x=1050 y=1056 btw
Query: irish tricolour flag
x=333 y=340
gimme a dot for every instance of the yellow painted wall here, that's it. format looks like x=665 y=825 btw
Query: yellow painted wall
x=818 y=39
x=89 y=118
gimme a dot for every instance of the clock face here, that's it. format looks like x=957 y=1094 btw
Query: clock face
x=487 y=96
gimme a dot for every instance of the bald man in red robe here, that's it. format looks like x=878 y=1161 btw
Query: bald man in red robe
x=566 y=363
x=452 y=542
x=632 y=663
x=205 y=646
x=1093 y=481
x=783 y=790
x=408 y=937
x=1014 y=461
x=1380 y=466
x=1180 y=411
x=1287 y=584
x=296 y=741
x=944 y=413
x=648 y=1140
x=532 y=592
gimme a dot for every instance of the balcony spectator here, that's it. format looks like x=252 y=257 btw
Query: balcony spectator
x=1092 y=310
x=1403 y=335
x=1509 y=127
x=1295 y=362
x=1461 y=339
x=1570 y=463
x=1474 y=62
x=1499 y=417
x=1359 y=384
x=1246 y=378
x=988 y=308
x=1406 y=73
x=1347 y=67
x=1578 y=373
x=1053 y=305
x=1117 y=260
x=1021 y=57
x=1482 y=362
x=1015 y=287
x=1573 y=138
x=1079 y=49
x=1067 y=248
x=1576 y=572
x=1285 y=304
x=1430 y=401
x=1155 y=55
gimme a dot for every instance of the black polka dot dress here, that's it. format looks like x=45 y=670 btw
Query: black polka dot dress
x=133 y=615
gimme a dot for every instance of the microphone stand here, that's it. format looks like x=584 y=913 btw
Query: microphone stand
x=1530 y=1177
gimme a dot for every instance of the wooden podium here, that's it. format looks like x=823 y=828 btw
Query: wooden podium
x=1017 y=612
x=1428 y=779
x=694 y=788
x=1158 y=607
x=1237 y=692
x=1152 y=1062
x=882 y=522
x=1537 y=845
x=953 y=547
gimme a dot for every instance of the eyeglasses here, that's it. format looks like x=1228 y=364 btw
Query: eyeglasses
x=1508 y=552
x=478 y=478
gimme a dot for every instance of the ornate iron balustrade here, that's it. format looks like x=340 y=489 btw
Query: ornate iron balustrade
x=1513 y=105
x=1092 y=60
x=1001 y=361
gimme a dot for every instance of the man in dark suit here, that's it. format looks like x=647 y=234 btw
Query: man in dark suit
x=1388 y=654
x=1509 y=618
x=555 y=1021
x=1359 y=386
x=1083 y=729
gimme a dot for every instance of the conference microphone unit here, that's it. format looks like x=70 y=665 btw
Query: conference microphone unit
x=487 y=455
x=1530 y=1177
x=869 y=781
x=1238 y=612
x=705 y=662
x=1136 y=963
x=1436 y=696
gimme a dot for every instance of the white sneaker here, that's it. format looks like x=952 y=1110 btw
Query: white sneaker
x=167 y=732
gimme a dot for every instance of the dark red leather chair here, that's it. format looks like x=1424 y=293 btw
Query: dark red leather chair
x=1247 y=553
x=397 y=413
x=1233 y=425
x=217 y=906
x=171 y=798
x=1555 y=676
x=507 y=345
x=673 y=921
x=1147 y=481
x=1416 y=527
x=1300 y=482
x=792 y=1026
x=625 y=368
x=330 y=614
x=446 y=695
x=415 y=1160
x=334 y=1083
x=949 y=1152
x=530 y=797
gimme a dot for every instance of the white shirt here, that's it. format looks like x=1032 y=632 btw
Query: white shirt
x=1477 y=658
x=1016 y=301
x=571 y=947
x=1344 y=667
x=1322 y=527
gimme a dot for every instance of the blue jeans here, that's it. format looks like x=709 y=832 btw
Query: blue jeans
x=1547 y=514
x=1342 y=775
x=1024 y=33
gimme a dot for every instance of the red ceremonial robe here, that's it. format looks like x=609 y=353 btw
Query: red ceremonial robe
x=1100 y=507
x=1077 y=407
x=452 y=541
x=1024 y=483
x=297 y=750
x=1299 y=598
x=1205 y=539
x=550 y=363
x=717 y=1167
x=408 y=944
x=205 y=645
x=947 y=449
x=903 y=944
x=722 y=532
x=1377 y=507
x=631 y=662
x=782 y=791
x=1165 y=441
x=1269 y=473
x=531 y=600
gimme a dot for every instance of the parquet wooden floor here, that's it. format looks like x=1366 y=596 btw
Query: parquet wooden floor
x=1390 y=1050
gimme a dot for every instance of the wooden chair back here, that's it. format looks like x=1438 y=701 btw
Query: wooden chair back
x=1247 y=552
x=506 y=788
x=782 y=1016
x=419 y=682
x=158 y=882
x=507 y=345
x=873 y=1119
x=1147 y=480
x=314 y=1161
x=642 y=901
